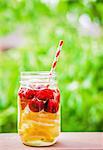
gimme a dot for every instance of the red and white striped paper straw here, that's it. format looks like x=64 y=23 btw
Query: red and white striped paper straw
x=56 y=57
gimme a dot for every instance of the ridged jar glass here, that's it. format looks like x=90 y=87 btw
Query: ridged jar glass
x=38 y=109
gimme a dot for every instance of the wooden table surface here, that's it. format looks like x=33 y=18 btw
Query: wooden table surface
x=66 y=141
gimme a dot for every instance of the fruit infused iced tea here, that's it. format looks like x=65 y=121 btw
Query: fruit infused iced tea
x=39 y=107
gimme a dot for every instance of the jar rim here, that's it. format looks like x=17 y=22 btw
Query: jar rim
x=33 y=72
x=37 y=75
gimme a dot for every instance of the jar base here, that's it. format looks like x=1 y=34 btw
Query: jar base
x=39 y=143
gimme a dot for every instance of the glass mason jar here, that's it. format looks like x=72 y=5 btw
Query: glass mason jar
x=38 y=109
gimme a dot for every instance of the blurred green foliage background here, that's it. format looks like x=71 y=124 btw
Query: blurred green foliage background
x=29 y=35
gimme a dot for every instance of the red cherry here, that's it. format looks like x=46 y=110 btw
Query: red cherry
x=23 y=103
x=36 y=105
x=44 y=94
x=24 y=95
x=29 y=94
x=51 y=106
x=21 y=92
x=57 y=95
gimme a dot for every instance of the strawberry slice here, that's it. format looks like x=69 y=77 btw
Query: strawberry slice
x=51 y=106
x=44 y=94
x=36 y=105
